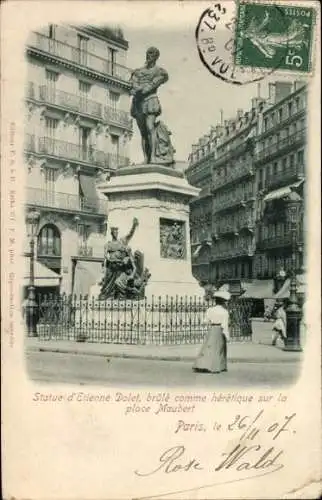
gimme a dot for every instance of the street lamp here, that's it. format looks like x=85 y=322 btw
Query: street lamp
x=293 y=312
x=32 y=221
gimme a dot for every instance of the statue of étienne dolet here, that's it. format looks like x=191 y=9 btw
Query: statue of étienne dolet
x=146 y=108
x=124 y=275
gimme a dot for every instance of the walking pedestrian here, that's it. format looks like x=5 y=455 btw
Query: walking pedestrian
x=279 y=326
x=213 y=355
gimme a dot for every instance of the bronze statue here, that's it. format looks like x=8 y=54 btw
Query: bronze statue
x=124 y=274
x=156 y=143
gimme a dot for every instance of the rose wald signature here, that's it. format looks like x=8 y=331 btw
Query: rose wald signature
x=245 y=455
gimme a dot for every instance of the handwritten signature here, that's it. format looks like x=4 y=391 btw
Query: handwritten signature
x=241 y=458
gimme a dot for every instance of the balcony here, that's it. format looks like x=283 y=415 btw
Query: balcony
x=282 y=146
x=117 y=117
x=232 y=202
x=286 y=177
x=78 y=104
x=72 y=102
x=85 y=251
x=73 y=152
x=231 y=253
x=65 y=202
x=278 y=241
x=75 y=56
x=234 y=174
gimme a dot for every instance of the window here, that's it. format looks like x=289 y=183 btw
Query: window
x=49 y=242
x=284 y=164
x=273 y=118
x=112 y=60
x=82 y=45
x=52 y=31
x=51 y=77
x=51 y=125
x=280 y=114
x=83 y=233
x=50 y=89
x=297 y=103
x=300 y=157
x=114 y=98
x=265 y=124
x=83 y=89
x=49 y=180
x=115 y=143
x=84 y=142
x=278 y=137
x=292 y=161
x=290 y=108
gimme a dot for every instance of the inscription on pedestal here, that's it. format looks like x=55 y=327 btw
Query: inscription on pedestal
x=172 y=239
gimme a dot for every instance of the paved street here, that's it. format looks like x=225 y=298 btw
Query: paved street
x=111 y=371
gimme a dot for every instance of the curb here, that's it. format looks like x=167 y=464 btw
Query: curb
x=152 y=357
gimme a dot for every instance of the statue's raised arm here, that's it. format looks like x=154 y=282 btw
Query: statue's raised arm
x=129 y=236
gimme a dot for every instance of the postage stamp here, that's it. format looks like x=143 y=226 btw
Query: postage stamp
x=215 y=39
x=274 y=36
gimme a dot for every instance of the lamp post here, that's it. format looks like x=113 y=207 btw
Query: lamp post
x=32 y=221
x=293 y=311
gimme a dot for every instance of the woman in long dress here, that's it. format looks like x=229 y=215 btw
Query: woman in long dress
x=213 y=355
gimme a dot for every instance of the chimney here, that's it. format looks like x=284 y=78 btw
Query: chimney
x=218 y=130
x=279 y=90
x=283 y=89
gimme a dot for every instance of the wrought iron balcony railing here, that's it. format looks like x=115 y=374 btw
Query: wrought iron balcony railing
x=278 y=241
x=78 y=104
x=74 y=102
x=235 y=173
x=232 y=201
x=77 y=56
x=278 y=147
x=64 y=201
x=118 y=117
x=74 y=152
x=229 y=253
x=282 y=178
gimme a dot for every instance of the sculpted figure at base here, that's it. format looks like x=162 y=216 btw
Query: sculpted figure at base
x=145 y=81
x=124 y=273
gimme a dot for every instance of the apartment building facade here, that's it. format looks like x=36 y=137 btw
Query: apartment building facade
x=281 y=159
x=78 y=130
x=245 y=168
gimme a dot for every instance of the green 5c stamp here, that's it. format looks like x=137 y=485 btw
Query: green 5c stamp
x=274 y=36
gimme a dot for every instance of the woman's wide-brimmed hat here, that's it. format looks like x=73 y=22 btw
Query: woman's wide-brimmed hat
x=222 y=294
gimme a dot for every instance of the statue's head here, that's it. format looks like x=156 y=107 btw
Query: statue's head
x=114 y=232
x=152 y=55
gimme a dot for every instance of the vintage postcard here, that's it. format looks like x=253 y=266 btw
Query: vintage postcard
x=161 y=331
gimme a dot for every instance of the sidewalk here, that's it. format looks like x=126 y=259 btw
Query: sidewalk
x=238 y=352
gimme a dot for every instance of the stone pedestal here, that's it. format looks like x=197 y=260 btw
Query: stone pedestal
x=158 y=197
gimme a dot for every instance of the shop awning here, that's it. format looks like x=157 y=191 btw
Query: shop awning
x=86 y=275
x=259 y=289
x=43 y=275
x=284 y=292
x=281 y=192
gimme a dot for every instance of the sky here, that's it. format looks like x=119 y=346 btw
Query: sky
x=192 y=98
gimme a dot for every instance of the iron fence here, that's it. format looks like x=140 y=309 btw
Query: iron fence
x=159 y=321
